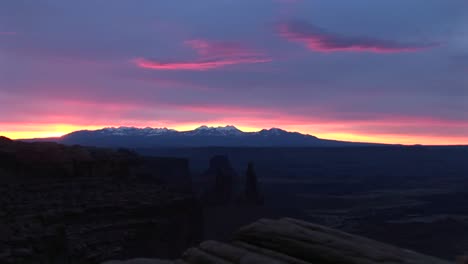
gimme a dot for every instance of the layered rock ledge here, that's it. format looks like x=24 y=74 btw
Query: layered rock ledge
x=298 y=242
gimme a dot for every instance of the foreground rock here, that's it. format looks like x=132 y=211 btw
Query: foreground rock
x=309 y=243
x=73 y=204
x=91 y=220
x=293 y=241
x=139 y=261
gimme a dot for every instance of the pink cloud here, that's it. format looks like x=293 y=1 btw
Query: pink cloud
x=319 y=40
x=212 y=55
x=196 y=65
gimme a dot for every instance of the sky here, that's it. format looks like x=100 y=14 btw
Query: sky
x=390 y=71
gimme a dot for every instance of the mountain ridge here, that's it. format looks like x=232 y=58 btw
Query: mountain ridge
x=203 y=136
x=203 y=129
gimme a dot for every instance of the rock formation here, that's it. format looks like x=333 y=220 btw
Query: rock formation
x=252 y=193
x=462 y=260
x=70 y=204
x=296 y=242
x=22 y=161
x=52 y=160
x=4 y=140
x=223 y=185
x=220 y=178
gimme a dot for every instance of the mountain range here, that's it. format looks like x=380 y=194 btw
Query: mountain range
x=204 y=136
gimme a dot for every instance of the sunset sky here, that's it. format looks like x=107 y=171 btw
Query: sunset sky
x=390 y=71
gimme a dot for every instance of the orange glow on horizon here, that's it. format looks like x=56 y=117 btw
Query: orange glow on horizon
x=29 y=131
x=26 y=131
x=397 y=139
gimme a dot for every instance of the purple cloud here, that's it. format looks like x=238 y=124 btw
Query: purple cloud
x=319 y=40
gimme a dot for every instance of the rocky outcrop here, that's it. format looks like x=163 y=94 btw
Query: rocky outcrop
x=71 y=204
x=462 y=260
x=4 y=140
x=305 y=242
x=223 y=186
x=43 y=160
x=89 y=220
x=297 y=242
x=251 y=193
x=219 y=179
x=52 y=160
x=139 y=261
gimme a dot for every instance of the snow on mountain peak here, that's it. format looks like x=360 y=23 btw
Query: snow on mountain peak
x=226 y=130
x=133 y=131
x=273 y=131
x=203 y=130
x=220 y=128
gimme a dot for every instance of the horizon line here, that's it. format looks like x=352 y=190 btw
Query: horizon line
x=58 y=136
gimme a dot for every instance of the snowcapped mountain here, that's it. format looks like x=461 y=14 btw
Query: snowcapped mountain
x=273 y=132
x=148 y=131
x=220 y=131
x=204 y=136
x=128 y=131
